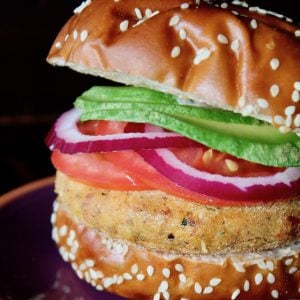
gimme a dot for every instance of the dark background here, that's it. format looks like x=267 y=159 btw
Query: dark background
x=34 y=93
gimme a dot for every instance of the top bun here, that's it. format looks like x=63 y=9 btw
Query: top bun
x=233 y=57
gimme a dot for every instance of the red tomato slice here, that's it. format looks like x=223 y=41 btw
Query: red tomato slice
x=215 y=162
x=93 y=169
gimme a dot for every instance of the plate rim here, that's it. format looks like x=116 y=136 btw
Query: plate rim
x=25 y=189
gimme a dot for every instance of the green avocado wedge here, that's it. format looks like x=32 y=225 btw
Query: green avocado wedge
x=228 y=132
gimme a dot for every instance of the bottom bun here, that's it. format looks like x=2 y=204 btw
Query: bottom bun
x=134 y=272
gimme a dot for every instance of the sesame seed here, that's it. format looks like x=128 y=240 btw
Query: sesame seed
x=241 y=101
x=134 y=269
x=174 y=20
x=222 y=39
x=75 y=34
x=89 y=262
x=197 y=288
x=263 y=103
x=72 y=234
x=253 y=24
x=201 y=55
x=288 y=121
x=275 y=294
x=93 y=274
x=99 y=287
x=274 y=63
x=261 y=11
x=120 y=280
x=124 y=25
x=53 y=218
x=215 y=281
x=258 y=278
x=150 y=270
x=231 y=165
x=140 y=277
x=271 y=278
x=166 y=272
x=166 y=295
x=156 y=296
x=208 y=290
x=148 y=12
x=82 y=6
x=88 y=277
x=248 y=110
x=293 y=270
x=127 y=276
x=297 y=120
x=175 y=52
x=279 y=120
x=79 y=274
x=83 y=35
x=54 y=235
x=138 y=13
x=295 y=96
x=235 y=294
x=182 y=278
x=290 y=110
x=184 y=6
x=182 y=34
x=72 y=256
x=235 y=45
x=270 y=265
x=246 y=286
x=179 y=268
x=55 y=206
x=235 y=12
x=63 y=252
x=297 y=33
x=63 y=230
x=82 y=266
x=297 y=85
x=284 y=129
x=58 y=45
x=289 y=261
x=274 y=90
x=163 y=286
x=224 y=5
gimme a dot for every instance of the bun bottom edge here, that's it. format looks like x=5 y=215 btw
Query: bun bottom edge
x=135 y=272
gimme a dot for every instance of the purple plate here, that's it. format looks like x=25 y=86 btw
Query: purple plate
x=30 y=265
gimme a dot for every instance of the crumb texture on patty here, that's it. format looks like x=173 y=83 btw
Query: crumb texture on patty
x=162 y=222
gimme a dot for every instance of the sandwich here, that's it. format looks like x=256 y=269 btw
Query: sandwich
x=182 y=182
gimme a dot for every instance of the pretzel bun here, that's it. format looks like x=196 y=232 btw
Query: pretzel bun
x=232 y=57
x=236 y=58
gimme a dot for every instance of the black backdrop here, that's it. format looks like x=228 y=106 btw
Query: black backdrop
x=34 y=93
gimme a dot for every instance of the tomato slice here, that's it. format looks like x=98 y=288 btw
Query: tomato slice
x=215 y=162
x=94 y=170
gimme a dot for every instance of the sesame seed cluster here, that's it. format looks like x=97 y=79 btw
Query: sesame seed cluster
x=114 y=265
x=266 y=85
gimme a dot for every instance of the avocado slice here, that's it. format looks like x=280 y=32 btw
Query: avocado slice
x=226 y=131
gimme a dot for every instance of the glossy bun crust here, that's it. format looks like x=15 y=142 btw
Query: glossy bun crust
x=237 y=58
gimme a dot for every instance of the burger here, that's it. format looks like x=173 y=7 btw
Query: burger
x=183 y=181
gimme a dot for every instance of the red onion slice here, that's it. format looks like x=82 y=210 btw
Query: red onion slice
x=66 y=137
x=264 y=188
